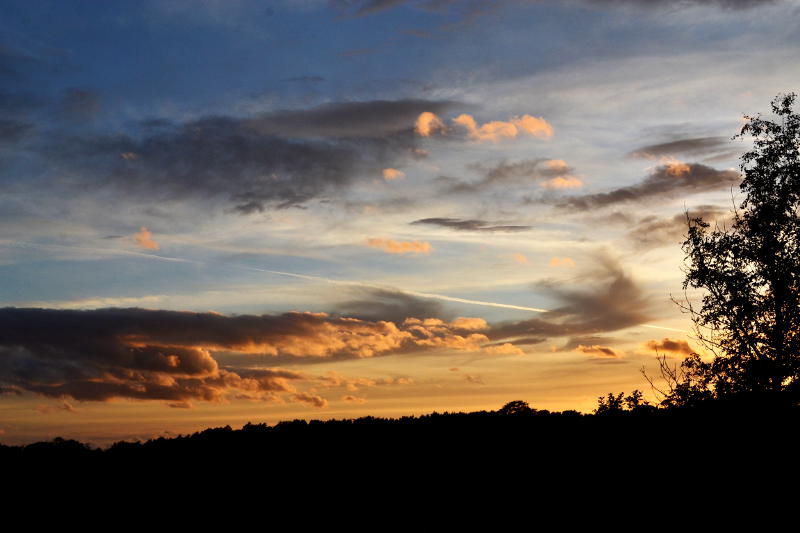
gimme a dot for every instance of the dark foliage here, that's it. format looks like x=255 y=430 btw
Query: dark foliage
x=749 y=317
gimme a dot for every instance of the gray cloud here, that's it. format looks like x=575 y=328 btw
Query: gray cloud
x=506 y=174
x=726 y=4
x=101 y=354
x=469 y=225
x=652 y=232
x=278 y=159
x=376 y=119
x=712 y=148
x=12 y=131
x=386 y=304
x=664 y=181
x=615 y=302
x=471 y=9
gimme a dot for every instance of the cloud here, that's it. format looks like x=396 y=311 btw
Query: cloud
x=12 y=131
x=613 y=302
x=470 y=225
x=550 y=173
x=496 y=130
x=278 y=159
x=652 y=232
x=401 y=247
x=665 y=181
x=61 y=406
x=506 y=348
x=678 y=347
x=354 y=399
x=521 y=259
x=386 y=304
x=390 y=174
x=428 y=123
x=562 y=182
x=374 y=119
x=599 y=351
x=697 y=146
x=172 y=356
x=562 y=261
x=469 y=10
x=144 y=239
x=654 y=4
x=311 y=400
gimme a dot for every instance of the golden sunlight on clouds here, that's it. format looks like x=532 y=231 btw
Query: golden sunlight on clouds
x=599 y=351
x=497 y=129
x=401 y=247
x=144 y=239
x=390 y=174
x=521 y=259
x=428 y=123
x=503 y=349
x=354 y=399
x=562 y=182
x=677 y=168
x=562 y=261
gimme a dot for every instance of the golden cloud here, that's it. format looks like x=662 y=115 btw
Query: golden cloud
x=596 y=350
x=144 y=239
x=562 y=261
x=390 y=174
x=562 y=182
x=401 y=247
x=497 y=129
x=428 y=123
x=503 y=349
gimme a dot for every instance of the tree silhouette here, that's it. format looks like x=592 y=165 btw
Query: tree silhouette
x=749 y=317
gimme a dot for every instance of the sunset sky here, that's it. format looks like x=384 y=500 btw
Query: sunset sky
x=222 y=211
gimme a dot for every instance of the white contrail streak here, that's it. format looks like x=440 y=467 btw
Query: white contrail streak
x=309 y=278
x=402 y=291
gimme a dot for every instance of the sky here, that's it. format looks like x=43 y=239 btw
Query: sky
x=215 y=212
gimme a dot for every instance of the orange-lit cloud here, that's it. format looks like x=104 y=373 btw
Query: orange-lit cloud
x=390 y=174
x=311 y=400
x=469 y=324
x=521 y=259
x=497 y=129
x=428 y=123
x=677 y=168
x=677 y=347
x=599 y=351
x=401 y=247
x=562 y=261
x=503 y=349
x=558 y=165
x=562 y=182
x=144 y=239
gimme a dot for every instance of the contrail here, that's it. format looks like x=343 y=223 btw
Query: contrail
x=427 y=294
x=403 y=291
x=310 y=278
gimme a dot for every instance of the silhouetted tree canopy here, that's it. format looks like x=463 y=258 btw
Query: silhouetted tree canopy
x=749 y=317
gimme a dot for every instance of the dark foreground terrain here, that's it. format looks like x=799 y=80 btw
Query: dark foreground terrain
x=439 y=437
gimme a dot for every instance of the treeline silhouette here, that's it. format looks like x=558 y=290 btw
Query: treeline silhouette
x=438 y=436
